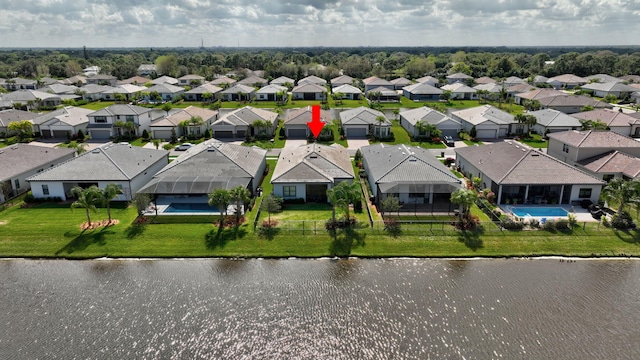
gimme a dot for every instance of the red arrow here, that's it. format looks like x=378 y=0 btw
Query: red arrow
x=315 y=125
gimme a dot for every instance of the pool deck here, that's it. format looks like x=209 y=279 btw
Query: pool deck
x=164 y=202
x=582 y=215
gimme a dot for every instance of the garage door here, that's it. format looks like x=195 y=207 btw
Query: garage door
x=297 y=133
x=162 y=134
x=450 y=132
x=223 y=134
x=356 y=133
x=486 y=134
x=100 y=134
x=240 y=133
x=60 y=134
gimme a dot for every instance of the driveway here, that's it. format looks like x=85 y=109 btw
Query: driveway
x=355 y=144
x=294 y=143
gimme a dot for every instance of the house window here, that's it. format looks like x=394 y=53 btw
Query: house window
x=289 y=191
x=416 y=195
x=565 y=148
x=101 y=119
x=130 y=118
x=45 y=189
x=584 y=193
x=16 y=182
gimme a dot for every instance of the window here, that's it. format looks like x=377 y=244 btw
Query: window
x=101 y=119
x=16 y=182
x=289 y=191
x=416 y=195
x=584 y=193
x=130 y=118
x=565 y=148
x=45 y=189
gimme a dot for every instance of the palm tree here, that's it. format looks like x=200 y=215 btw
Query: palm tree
x=119 y=124
x=342 y=195
x=446 y=96
x=87 y=199
x=464 y=198
x=108 y=193
x=207 y=96
x=622 y=192
x=239 y=195
x=220 y=198
x=23 y=128
x=130 y=127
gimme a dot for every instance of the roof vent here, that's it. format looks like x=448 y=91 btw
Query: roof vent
x=95 y=151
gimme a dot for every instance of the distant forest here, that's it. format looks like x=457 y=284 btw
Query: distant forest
x=410 y=62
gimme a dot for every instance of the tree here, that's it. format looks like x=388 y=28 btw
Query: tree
x=594 y=125
x=446 y=96
x=110 y=192
x=526 y=119
x=78 y=147
x=220 y=198
x=271 y=204
x=239 y=195
x=167 y=65
x=390 y=204
x=141 y=201
x=174 y=137
x=87 y=199
x=167 y=107
x=622 y=192
x=207 y=96
x=342 y=195
x=119 y=124
x=464 y=198
x=473 y=132
x=23 y=129
x=532 y=105
x=130 y=127
x=156 y=143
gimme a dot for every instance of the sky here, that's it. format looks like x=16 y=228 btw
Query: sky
x=287 y=23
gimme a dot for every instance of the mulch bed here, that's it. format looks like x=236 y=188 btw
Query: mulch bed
x=97 y=224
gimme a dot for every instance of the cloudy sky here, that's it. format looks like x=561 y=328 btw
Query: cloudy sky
x=277 y=23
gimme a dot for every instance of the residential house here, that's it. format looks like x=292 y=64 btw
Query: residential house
x=308 y=171
x=617 y=89
x=412 y=174
x=536 y=94
x=428 y=80
x=571 y=104
x=513 y=80
x=196 y=94
x=566 y=81
x=485 y=80
x=162 y=128
x=223 y=82
x=492 y=90
x=129 y=167
x=102 y=79
x=166 y=91
x=191 y=80
x=401 y=82
x=147 y=69
x=63 y=123
x=539 y=81
x=11 y=115
x=239 y=123
x=460 y=91
x=238 y=92
x=631 y=79
x=282 y=80
x=101 y=122
x=616 y=121
x=312 y=79
x=575 y=146
x=422 y=92
x=409 y=120
x=165 y=80
x=33 y=99
x=127 y=91
x=77 y=80
x=490 y=122
x=134 y=80
x=341 y=80
x=17 y=83
x=518 y=174
x=550 y=121
x=364 y=121
x=91 y=71
x=383 y=94
x=612 y=164
x=308 y=91
x=295 y=122
x=20 y=161
x=93 y=92
x=458 y=77
x=204 y=168
x=350 y=92
x=513 y=90
x=603 y=78
x=254 y=81
x=271 y=93
x=374 y=82
x=59 y=89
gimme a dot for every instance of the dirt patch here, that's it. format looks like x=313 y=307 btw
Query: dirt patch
x=97 y=224
x=2 y=222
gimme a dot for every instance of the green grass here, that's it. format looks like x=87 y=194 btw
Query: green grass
x=97 y=105
x=401 y=136
x=535 y=141
x=53 y=231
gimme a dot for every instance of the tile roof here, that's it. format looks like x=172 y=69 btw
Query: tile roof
x=185 y=114
x=345 y=79
x=572 y=100
x=347 y=89
x=513 y=163
x=253 y=80
x=165 y=79
x=309 y=88
x=239 y=88
x=459 y=88
x=121 y=109
x=136 y=80
x=205 y=88
x=402 y=164
x=610 y=117
x=459 y=76
x=312 y=79
x=313 y=163
x=609 y=86
x=422 y=89
x=428 y=79
x=246 y=116
x=19 y=158
x=361 y=116
x=166 y=89
x=603 y=78
x=384 y=91
x=594 y=139
x=271 y=89
x=11 y=115
x=68 y=115
x=208 y=166
x=538 y=94
x=490 y=87
x=282 y=80
x=401 y=81
x=555 y=118
x=480 y=114
x=485 y=80
x=427 y=114
x=125 y=89
x=222 y=80
x=613 y=162
x=521 y=88
x=191 y=77
x=568 y=79
x=376 y=81
x=301 y=116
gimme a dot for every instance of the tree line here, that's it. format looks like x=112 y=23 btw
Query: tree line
x=325 y=62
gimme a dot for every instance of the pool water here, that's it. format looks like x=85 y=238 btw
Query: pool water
x=522 y=211
x=190 y=208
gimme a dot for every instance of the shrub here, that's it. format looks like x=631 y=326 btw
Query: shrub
x=167 y=146
x=29 y=198
x=357 y=206
x=562 y=225
x=145 y=134
x=339 y=223
x=623 y=221
x=534 y=223
x=392 y=227
x=605 y=221
x=80 y=135
x=573 y=220
x=509 y=224
x=294 y=201
x=549 y=225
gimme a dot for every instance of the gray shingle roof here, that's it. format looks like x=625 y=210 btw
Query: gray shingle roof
x=246 y=116
x=185 y=114
x=309 y=88
x=69 y=115
x=376 y=81
x=480 y=114
x=208 y=166
x=551 y=118
x=165 y=89
x=422 y=89
x=301 y=116
x=513 y=163
x=396 y=164
x=613 y=162
x=205 y=88
x=19 y=158
x=121 y=109
x=271 y=89
x=252 y=80
x=608 y=116
x=110 y=162
x=312 y=79
x=610 y=86
x=313 y=163
x=165 y=79
x=594 y=139
x=239 y=88
x=347 y=89
x=362 y=115
x=11 y=115
x=427 y=114
x=282 y=80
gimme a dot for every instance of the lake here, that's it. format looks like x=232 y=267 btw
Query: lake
x=320 y=309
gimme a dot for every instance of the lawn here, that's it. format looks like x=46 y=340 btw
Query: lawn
x=401 y=136
x=97 y=105
x=535 y=141
x=53 y=231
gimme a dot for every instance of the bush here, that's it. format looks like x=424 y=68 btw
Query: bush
x=294 y=201
x=534 y=223
x=339 y=223
x=29 y=199
x=392 y=227
x=167 y=146
x=623 y=221
x=562 y=225
x=357 y=206
x=549 y=225
x=80 y=135
x=509 y=224
x=145 y=134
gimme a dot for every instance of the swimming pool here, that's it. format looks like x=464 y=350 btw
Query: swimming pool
x=522 y=211
x=190 y=208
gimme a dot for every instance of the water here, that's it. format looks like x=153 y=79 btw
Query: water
x=319 y=309
x=190 y=208
x=538 y=211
